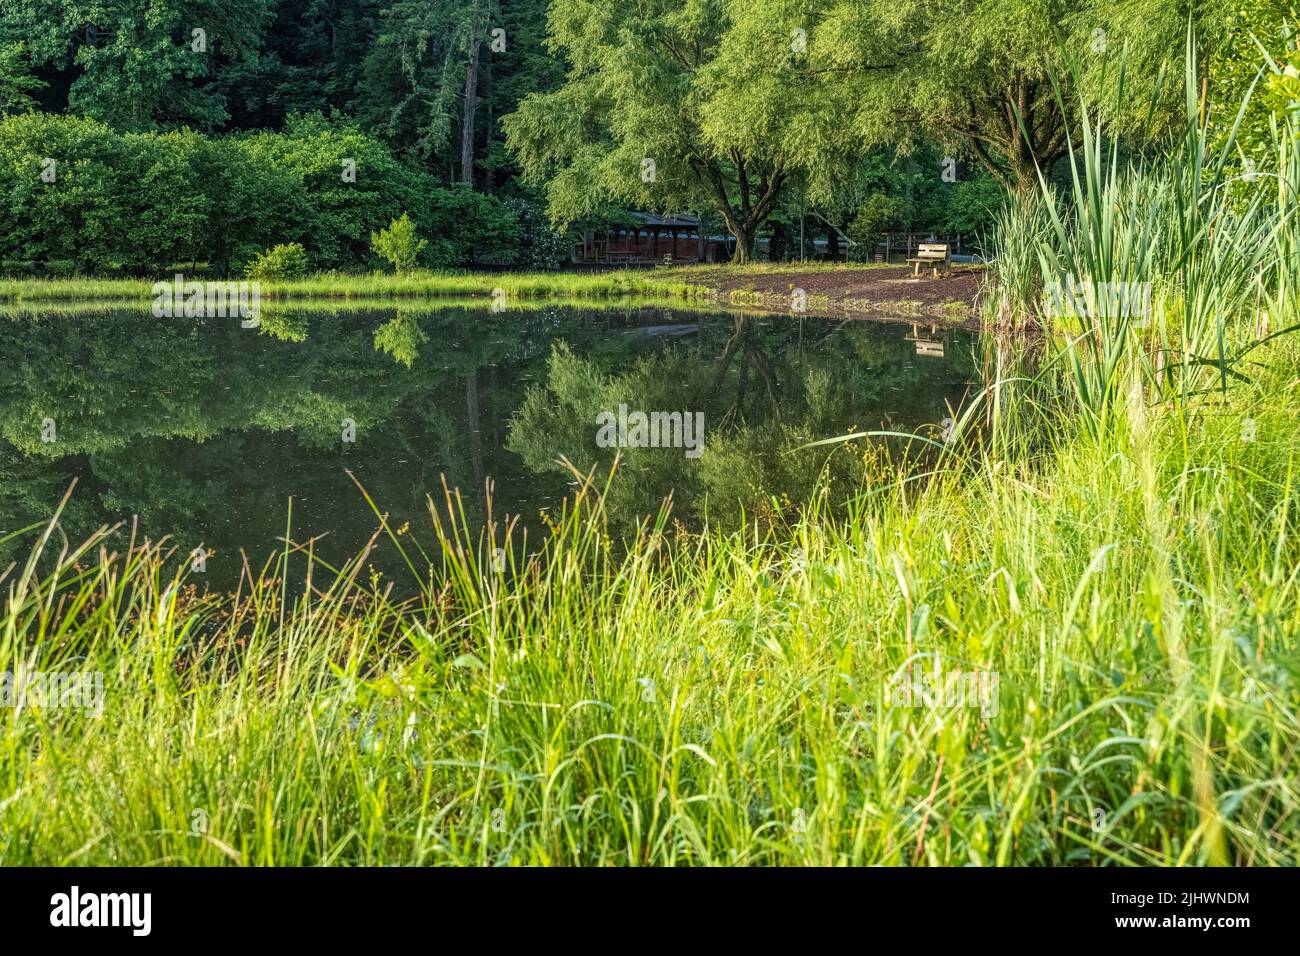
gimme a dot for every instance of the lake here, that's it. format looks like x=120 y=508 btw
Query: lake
x=204 y=432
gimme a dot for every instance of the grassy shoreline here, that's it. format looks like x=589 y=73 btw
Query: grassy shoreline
x=717 y=700
x=417 y=305
x=838 y=290
x=374 y=285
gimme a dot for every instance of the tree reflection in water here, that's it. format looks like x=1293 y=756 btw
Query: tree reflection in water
x=204 y=430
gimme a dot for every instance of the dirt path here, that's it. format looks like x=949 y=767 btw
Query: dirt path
x=872 y=292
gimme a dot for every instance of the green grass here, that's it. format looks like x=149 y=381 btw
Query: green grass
x=596 y=285
x=713 y=271
x=310 y=305
x=717 y=700
x=683 y=282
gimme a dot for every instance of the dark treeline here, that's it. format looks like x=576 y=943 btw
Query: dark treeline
x=399 y=68
x=205 y=133
x=208 y=131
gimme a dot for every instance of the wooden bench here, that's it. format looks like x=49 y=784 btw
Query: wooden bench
x=933 y=254
x=925 y=346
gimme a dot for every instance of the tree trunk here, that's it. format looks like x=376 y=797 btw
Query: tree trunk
x=490 y=124
x=744 y=244
x=743 y=231
x=1026 y=173
x=744 y=222
x=467 y=126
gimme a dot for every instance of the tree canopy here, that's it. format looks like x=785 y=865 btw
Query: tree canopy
x=751 y=113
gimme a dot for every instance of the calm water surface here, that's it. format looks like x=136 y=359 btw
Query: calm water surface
x=204 y=431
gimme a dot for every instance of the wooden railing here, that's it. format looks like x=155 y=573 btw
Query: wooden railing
x=906 y=245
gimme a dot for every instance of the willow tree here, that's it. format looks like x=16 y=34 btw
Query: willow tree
x=992 y=79
x=673 y=105
x=974 y=75
x=1231 y=41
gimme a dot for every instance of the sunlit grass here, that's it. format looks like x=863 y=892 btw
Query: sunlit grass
x=715 y=700
x=621 y=282
x=327 y=305
x=679 y=283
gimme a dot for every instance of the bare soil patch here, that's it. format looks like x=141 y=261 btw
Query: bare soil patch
x=880 y=292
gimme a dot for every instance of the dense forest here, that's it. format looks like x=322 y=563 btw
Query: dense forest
x=138 y=136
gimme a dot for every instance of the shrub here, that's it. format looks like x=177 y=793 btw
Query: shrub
x=344 y=184
x=140 y=202
x=973 y=207
x=468 y=226
x=880 y=213
x=61 y=191
x=398 y=244
x=285 y=261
